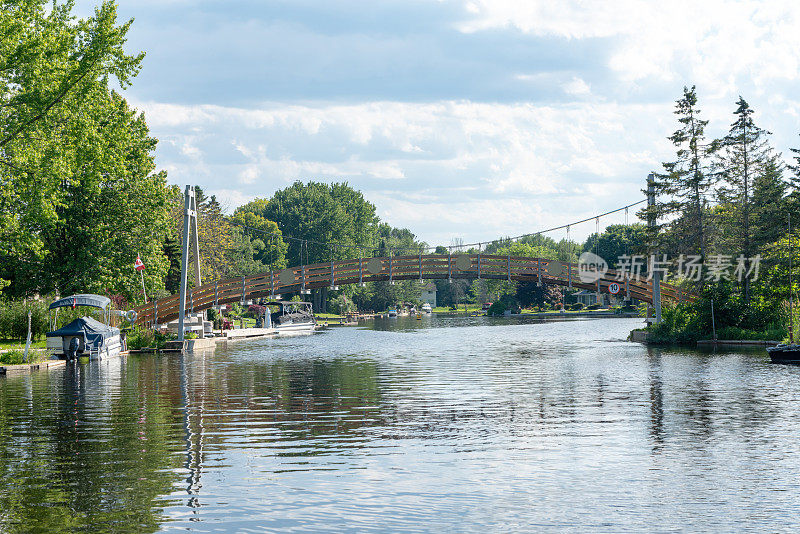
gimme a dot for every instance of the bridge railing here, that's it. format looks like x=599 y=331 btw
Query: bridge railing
x=353 y=271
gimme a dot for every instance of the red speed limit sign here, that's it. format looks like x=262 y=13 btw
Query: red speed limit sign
x=613 y=288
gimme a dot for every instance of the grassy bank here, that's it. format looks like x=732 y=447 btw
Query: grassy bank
x=687 y=324
x=469 y=308
x=11 y=344
x=15 y=356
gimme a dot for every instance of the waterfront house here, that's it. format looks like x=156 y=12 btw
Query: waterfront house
x=429 y=294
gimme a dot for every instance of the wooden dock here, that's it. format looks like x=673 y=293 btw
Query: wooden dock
x=21 y=368
x=737 y=343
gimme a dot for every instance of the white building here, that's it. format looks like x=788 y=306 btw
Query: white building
x=429 y=294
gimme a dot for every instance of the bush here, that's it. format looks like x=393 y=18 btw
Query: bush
x=577 y=306
x=12 y=357
x=594 y=306
x=256 y=310
x=14 y=319
x=679 y=324
x=506 y=302
x=140 y=338
x=144 y=338
x=342 y=305
x=235 y=311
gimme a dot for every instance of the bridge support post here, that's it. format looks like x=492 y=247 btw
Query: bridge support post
x=539 y=270
x=449 y=266
x=189 y=225
x=651 y=222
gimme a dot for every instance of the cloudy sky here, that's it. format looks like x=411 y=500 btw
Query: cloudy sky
x=472 y=119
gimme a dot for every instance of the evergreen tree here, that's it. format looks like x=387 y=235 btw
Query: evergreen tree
x=744 y=156
x=681 y=190
x=793 y=202
x=770 y=204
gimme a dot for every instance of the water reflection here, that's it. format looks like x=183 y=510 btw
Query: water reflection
x=437 y=424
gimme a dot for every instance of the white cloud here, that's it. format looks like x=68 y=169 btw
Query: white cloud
x=712 y=43
x=577 y=87
x=249 y=175
x=510 y=168
x=500 y=118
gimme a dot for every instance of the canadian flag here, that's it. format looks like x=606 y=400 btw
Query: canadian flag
x=138 y=264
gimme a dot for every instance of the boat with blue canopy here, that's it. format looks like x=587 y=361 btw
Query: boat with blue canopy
x=84 y=336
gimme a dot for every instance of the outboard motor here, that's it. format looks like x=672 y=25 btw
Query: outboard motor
x=74 y=347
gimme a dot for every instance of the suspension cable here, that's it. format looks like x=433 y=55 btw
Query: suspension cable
x=460 y=247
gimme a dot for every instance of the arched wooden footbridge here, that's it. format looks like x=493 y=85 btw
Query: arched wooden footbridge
x=421 y=267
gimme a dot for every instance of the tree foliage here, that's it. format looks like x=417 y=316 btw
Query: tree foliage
x=682 y=189
x=616 y=241
x=323 y=221
x=79 y=195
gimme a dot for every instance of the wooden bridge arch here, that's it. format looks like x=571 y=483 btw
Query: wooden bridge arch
x=421 y=267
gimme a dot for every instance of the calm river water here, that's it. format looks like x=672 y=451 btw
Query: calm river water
x=422 y=426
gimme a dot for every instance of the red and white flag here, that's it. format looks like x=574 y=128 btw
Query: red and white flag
x=138 y=264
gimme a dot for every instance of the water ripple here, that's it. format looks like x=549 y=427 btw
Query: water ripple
x=409 y=426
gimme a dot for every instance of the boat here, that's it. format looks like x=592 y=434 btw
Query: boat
x=784 y=353
x=291 y=317
x=426 y=308
x=84 y=336
x=392 y=313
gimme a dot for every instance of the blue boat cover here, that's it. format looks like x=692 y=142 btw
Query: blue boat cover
x=95 y=301
x=93 y=331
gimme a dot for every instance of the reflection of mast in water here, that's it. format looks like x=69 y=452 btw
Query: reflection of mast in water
x=656 y=399
x=194 y=454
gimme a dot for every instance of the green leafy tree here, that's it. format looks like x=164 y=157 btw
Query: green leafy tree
x=261 y=235
x=109 y=206
x=53 y=69
x=79 y=196
x=616 y=241
x=321 y=221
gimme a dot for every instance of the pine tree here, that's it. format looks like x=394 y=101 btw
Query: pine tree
x=744 y=155
x=769 y=204
x=793 y=202
x=682 y=188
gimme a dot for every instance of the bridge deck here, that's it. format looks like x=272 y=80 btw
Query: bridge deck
x=354 y=271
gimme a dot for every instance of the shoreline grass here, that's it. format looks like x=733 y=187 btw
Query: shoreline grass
x=11 y=344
